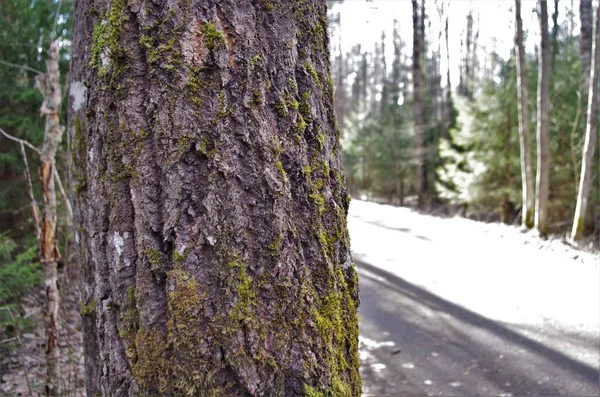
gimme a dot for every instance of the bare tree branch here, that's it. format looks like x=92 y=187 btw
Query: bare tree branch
x=21 y=141
x=34 y=207
x=14 y=65
x=64 y=194
x=53 y=31
x=56 y=174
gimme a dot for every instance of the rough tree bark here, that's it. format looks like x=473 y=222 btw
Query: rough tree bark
x=418 y=106
x=527 y=178
x=49 y=85
x=210 y=200
x=543 y=125
x=591 y=135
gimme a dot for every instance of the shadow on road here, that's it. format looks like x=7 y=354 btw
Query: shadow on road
x=476 y=355
x=395 y=229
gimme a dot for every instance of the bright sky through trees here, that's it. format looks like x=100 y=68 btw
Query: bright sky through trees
x=363 y=21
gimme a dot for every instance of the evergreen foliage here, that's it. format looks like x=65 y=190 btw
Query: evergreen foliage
x=480 y=165
x=19 y=272
x=23 y=44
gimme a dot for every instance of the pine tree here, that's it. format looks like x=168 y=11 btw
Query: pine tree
x=210 y=201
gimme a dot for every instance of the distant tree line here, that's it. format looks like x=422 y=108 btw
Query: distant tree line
x=514 y=141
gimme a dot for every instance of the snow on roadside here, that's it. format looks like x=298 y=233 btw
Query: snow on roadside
x=492 y=269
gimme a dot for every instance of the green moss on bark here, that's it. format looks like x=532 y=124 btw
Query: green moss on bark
x=106 y=50
x=213 y=37
x=87 y=309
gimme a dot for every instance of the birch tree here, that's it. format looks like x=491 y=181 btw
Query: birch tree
x=527 y=178
x=543 y=124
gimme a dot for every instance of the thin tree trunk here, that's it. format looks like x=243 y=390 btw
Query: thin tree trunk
x=527 y=178
x=467 y=81
x=449 y=85
x=586 y=20
x=396 y=157
x=591 y=135
x=555 y=28
x=418 y=107
x=49 y=85
x=571 y=19
x=211 y=201
x=506 y=202
x=402 y=188
x=543 y=125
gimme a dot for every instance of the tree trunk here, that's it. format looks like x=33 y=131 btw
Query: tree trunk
x=543 y=125
x=418 y=107
x=466 y=86
x=555 y=28
x=591 y=135
x=586 y=19
x=505 y=201
x=49 y=85
x=527 y=179
x=447 y=113
x=210 y=201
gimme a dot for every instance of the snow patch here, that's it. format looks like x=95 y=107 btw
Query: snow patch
x=373 y=344
x=378 y=367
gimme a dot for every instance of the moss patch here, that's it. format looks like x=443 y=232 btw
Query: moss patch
x=106 y=49
x=213 y=37
x=246 y=299
x=125 y=172
x=89 y=309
